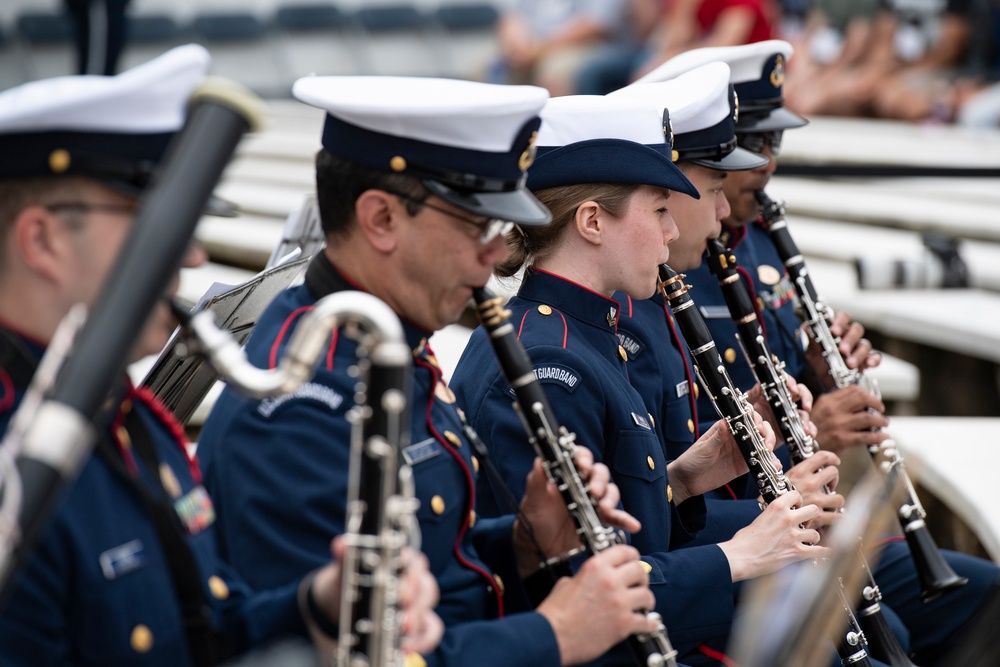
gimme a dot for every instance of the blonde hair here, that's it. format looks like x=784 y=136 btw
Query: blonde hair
x=528 y=245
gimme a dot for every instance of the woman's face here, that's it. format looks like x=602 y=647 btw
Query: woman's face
x=636 y=243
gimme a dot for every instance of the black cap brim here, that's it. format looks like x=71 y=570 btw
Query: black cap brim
x=779 y=118
x=517 y=205
x=739 y=159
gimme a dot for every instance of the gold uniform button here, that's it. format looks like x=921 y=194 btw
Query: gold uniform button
x=397 y=163
x=729 y=355
x=670 y=494
x=545 y=310
x=437 y=505
x=218 y=587
x=414 y=660
x=142 y=639
x=475 y=464
x=500 y=588
x=691 y=425
x=452 y=438
x=622 y=353
x=472 y=518
x=59 y=160
x=651 y=420
x=696 y=391
x=646 y=566
x=651 y=463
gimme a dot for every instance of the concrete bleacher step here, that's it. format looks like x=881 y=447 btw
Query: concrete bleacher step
x=846 y=242
x=954 y=458
x=959 y=320
x=879 y=142
x=869 y=204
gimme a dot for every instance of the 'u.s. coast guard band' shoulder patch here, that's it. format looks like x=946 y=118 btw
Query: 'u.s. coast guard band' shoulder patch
x=631 y=345
x=310 y=390
x=565 y=377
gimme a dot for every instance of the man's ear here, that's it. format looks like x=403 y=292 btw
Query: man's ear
x=42 y=241
x=590 y=222
x=377 y=215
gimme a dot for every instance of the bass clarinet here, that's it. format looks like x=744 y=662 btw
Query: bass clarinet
x=381 y=507
x=733 y=406
x=769 y=372
x=555 y=445
x=934 y=572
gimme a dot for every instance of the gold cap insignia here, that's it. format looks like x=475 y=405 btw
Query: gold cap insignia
x=778 y=73
x=397 y=163
x=528 y=156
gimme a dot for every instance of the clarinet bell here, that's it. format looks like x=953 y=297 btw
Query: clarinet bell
x=935 y=574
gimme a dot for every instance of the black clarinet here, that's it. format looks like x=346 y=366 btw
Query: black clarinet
x=733 y=406
x=381 y=510
x=935 y=574
x=556 y=447
x=769 y=371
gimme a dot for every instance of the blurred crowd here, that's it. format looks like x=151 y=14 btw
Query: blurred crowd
x=913 y=60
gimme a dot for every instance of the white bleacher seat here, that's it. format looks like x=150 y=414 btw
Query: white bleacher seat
x=315 y=38
x=147 y=36
x=395 y=40
x=242 y=50
x=45 y=40
x=954 y=458
x=468 y=41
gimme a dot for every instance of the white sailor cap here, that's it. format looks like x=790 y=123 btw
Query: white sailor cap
x=757 y=70
x=703 y=113
x=113 y=129
x=598 y=139
x=469 y=143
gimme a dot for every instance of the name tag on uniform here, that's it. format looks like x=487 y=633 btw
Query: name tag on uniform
x=641 y=421
x=714 y=312
x=123 y=559
x=421 y=451
x=682 y=389
x=195 y=510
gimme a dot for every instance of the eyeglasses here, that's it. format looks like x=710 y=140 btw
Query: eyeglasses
x=83 y=207
x=755 y=141
x=489 y=229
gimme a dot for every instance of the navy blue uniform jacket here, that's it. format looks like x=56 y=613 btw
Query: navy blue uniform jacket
x=661 y=370
x=278 y=470
x=570 y=333
x=97 y=590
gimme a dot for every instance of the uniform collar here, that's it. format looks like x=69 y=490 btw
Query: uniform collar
x=323 y=278
x=571 y=298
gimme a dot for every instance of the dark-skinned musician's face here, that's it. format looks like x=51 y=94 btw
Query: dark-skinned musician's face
x=741 y=186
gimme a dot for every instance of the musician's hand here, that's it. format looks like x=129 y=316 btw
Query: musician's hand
x=595 y=609
x=544 y=509
x=712 y=461
x=421 y=628
x=855 y=348
x=812 y=478
x=776 y=538
x=844 y=419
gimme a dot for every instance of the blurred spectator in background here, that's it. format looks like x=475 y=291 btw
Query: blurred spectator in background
x=544 y=42
x=672 y=26
x=914 y=60
x=100 y=34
